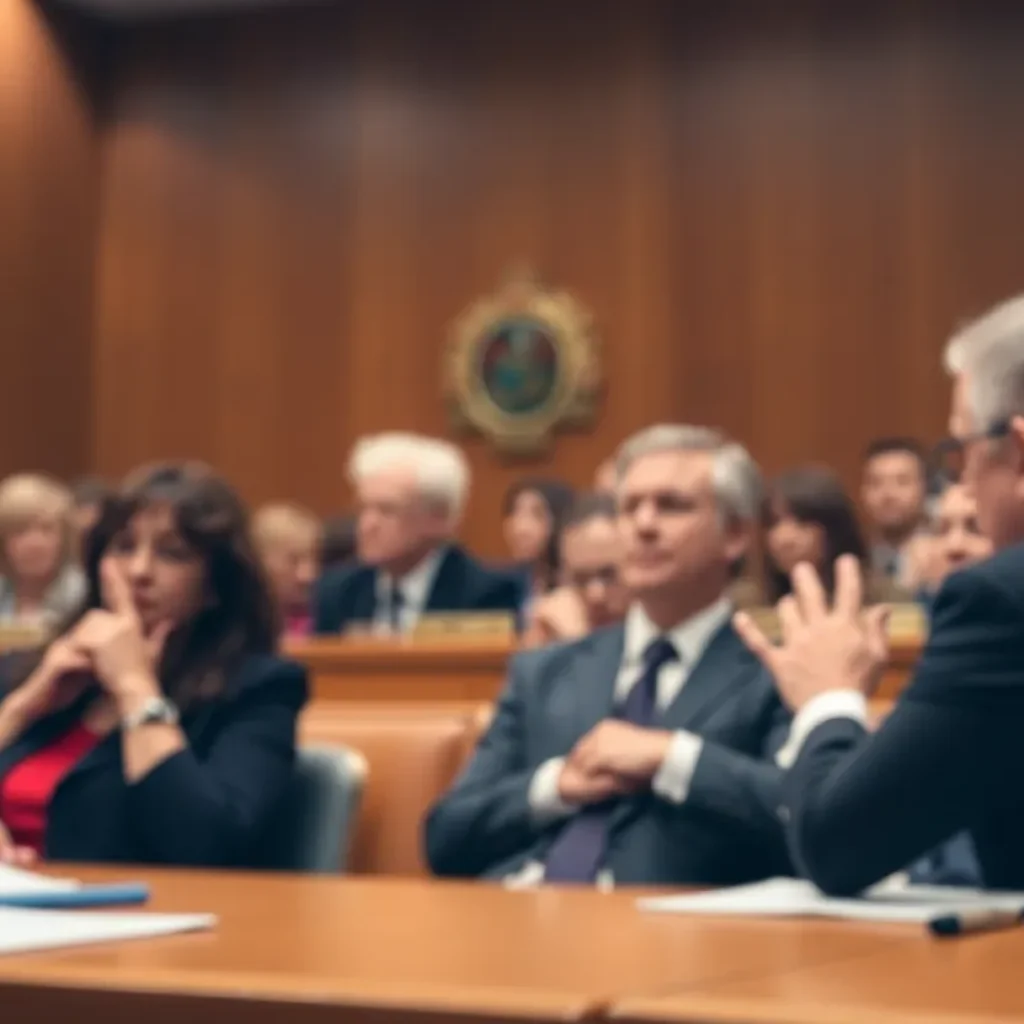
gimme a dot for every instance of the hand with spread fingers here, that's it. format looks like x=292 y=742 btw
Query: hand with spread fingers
x=824 y=647
x=124 y=659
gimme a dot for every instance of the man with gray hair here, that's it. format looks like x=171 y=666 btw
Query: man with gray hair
x=860 y=806
x=640 y=754
x=411 y=491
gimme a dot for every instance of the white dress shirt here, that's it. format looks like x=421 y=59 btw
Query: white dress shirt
x=415 y=587
x=672 y=780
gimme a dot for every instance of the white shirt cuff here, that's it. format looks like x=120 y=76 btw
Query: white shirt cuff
x=673 y=778
x=545 y=802
x=832 y=704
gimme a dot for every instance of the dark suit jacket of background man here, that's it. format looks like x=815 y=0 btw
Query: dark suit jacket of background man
x=462 y=584
x=728 y=829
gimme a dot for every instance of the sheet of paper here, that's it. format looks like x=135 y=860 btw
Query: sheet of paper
x=16 y=882
x=27 y=931
x=792 y=897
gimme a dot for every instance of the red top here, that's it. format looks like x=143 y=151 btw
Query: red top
x=28 y=788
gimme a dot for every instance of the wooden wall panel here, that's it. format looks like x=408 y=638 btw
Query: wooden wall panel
x=775 y=211
x=49 y=189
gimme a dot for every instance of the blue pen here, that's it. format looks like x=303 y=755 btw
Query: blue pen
x=88 y=896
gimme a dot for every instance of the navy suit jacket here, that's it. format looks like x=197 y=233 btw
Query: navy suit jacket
x=207 y=805
x=727 y=831
x=947 y=758
x=349 y=594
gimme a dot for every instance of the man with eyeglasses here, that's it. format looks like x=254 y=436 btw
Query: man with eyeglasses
x=860 y=806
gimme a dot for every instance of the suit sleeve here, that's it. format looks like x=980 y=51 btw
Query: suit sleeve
x=744 y=792
x=862 y=806
x=210 y=811
x=486 y=816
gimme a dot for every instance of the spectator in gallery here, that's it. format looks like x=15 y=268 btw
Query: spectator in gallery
x=808 y=517
x=592 y=594
x=288 y=540
x=894 y=490
x=411 y=493
x=534 y=510
x=41 y=581
x=158 y=726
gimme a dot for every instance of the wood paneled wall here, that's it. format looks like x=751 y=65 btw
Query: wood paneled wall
x=49 y=192
x=776 y=212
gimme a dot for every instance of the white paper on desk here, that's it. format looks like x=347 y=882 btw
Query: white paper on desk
x=793 y=897
x=27 y=931
x=16 y=882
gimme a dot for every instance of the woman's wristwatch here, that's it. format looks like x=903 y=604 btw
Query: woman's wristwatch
x=154 y=711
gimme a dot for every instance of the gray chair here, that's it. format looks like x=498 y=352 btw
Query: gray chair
x=313 y=830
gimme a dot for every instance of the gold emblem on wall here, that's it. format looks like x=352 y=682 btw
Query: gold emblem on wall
x=522 y=363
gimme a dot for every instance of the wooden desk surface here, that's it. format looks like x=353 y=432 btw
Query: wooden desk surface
x=312 y=949
x=974 y=980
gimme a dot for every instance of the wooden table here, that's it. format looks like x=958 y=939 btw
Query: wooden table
x=975 y=980
x=312 y=950
x=385 y=670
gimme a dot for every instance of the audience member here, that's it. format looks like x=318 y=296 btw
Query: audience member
x=41 y=581
x=640 y=754
x=158 y=727
x=338 y=544
x=411 y=492
x=893 y=492
x=288 y=542
x=534 y=511
x=89 y=494
x=592 y=594
x=862 y=805
x=808 y=517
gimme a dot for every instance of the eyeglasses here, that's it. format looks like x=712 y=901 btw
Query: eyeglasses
x=949 y=455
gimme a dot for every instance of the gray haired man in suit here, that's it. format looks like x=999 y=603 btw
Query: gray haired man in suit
x=643 y=753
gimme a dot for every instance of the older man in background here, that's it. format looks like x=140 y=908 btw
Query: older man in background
x=411 y=492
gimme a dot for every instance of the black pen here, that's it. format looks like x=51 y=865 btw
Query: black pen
x=968 y=922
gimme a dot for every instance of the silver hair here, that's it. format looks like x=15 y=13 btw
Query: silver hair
x=735 y=476
x=990 y=354
x=442 y=472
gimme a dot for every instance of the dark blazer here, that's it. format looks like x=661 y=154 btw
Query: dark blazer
x=728 y=829
x=947 y=758
x=349 y=594
x=207 y=805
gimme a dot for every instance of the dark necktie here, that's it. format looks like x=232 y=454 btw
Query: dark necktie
x=397 y=604
x=579 y=849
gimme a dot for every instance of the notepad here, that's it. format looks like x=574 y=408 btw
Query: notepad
x=29 y=931
x=792 y=897
x=19 y=888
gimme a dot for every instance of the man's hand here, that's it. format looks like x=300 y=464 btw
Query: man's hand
x=623 y=750
x=561 y=614
x=576 y=786
x=839 y=648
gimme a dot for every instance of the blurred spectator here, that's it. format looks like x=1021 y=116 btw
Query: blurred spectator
x=41 y=582
x=534 y=511
x=288 y=540
x=893 y=492
x=808 y=517
x=592 y=594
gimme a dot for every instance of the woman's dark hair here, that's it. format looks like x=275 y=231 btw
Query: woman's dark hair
x=239 y=617
x=559 y=498
x=812 y=494
x=91 y=490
